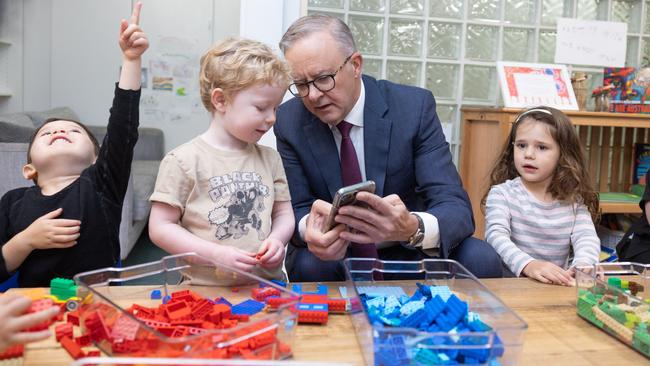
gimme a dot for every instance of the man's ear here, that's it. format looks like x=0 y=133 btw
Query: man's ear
x=218 y=99
x=357 y=62
x=29 y=172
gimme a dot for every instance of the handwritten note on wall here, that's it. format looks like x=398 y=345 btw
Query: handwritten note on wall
x=587 y=42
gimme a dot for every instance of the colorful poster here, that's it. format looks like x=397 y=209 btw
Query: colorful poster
x=526 y=85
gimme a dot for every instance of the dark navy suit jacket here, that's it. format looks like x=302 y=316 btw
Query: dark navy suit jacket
x=405 y=154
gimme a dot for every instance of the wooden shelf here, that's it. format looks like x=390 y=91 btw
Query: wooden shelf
x=616 y=207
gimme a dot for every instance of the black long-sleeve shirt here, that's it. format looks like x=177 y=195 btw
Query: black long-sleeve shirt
x=95 y=198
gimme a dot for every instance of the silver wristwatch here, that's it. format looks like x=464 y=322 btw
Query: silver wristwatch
x=418 y=236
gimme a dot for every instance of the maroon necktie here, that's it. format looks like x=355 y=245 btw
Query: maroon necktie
x=351 y=174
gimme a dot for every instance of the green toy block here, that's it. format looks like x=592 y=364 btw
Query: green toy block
x=614 y=281
x=63 y=288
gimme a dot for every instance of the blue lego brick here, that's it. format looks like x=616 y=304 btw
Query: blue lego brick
x=443 y=291
x=377 y=302
x=222 y=300
x=156 y=295
x=433 y=307
x=320 y=290
x=279 y=283
x=455 y=310
x=411 y=307
x=417 y=319
x=424 y=289
x=248 y=307
x=312 y=307
x=374 y=291
x=166 y=299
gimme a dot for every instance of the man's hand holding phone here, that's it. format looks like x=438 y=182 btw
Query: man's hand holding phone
x=382 y=219
x=327 y=246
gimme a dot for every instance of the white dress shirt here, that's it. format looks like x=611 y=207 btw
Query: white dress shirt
x=431 y=241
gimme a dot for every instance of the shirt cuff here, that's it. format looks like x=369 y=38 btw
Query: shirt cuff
x=302 y=227
x=431 y=238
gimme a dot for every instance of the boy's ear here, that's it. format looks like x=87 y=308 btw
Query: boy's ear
x=29 y=172
x=218 y=99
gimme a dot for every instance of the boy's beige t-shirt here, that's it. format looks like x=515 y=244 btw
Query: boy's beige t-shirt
x=225 y=197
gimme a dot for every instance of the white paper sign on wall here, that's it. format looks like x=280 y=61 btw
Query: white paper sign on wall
x=590 y=42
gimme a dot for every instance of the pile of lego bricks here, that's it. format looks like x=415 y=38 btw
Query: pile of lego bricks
x=183 y=325
x=431 y=310
x=616 y=309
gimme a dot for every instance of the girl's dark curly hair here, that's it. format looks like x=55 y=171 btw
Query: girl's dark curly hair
x=570 y=182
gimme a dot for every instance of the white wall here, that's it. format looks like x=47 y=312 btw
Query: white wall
x=65 y=52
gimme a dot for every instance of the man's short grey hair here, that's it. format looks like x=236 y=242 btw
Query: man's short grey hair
x=310 y=24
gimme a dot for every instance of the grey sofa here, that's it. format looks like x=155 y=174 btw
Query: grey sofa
x=15 y=131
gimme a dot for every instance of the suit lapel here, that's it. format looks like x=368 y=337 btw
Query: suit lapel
x=376 y=135
x=322 y=145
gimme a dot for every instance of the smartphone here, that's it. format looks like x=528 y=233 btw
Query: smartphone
x=346 y=196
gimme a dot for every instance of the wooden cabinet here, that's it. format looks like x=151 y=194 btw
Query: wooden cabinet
x=608 y=140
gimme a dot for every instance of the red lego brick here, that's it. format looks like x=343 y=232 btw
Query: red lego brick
x=83 y=340
x=177 y=310
x=38 y=305
x=124 y=328
x=240 y=317
x=316 y=317
x=262 y=293
x=93 y=353
x=219 y=313
x=201 y=309
x=14 y=351
x=63 y=330
x=314 y=299
x=337 y=305
x=72 y=347
x=73 y=317
x=96 y=327
x=276 y=302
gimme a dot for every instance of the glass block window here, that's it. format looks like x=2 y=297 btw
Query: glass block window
x=451 y=46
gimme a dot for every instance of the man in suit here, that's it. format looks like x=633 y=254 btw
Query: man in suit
x=419 y=208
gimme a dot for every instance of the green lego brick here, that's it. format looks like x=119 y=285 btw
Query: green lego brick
x=614 y=281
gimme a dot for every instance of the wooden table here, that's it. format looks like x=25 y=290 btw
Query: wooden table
x=556 y=335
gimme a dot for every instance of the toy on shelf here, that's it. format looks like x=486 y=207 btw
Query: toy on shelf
x=619 y=305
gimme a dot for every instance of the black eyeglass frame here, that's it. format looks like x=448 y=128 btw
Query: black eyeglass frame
x=322 y=77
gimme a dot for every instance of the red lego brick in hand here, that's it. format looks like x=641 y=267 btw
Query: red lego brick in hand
x=63 y=330
x=14 y=351
x=73 y=348
x=39 y=305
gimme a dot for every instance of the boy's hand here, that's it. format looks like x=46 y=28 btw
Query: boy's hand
x=548 y=272
x=48 y=232
x=271 y=253
x=133 y=41
x=236 y=258
x=13 y=321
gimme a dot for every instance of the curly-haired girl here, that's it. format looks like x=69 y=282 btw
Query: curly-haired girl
x=541 y=201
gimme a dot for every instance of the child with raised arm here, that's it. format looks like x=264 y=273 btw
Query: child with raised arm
x=68 y=222
x=221 y=195
x=541 y=202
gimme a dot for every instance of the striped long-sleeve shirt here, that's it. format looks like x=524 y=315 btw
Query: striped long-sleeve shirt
x=522 y=228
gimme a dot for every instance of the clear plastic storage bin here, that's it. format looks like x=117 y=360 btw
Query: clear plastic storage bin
x=499 y=345
x=616 y=298
x=120 y=329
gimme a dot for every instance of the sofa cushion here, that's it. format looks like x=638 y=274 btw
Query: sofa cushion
x=61 y=112
x=15 y=133
x=144 y=174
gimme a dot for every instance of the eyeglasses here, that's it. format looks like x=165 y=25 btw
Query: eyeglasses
x=324 y=83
